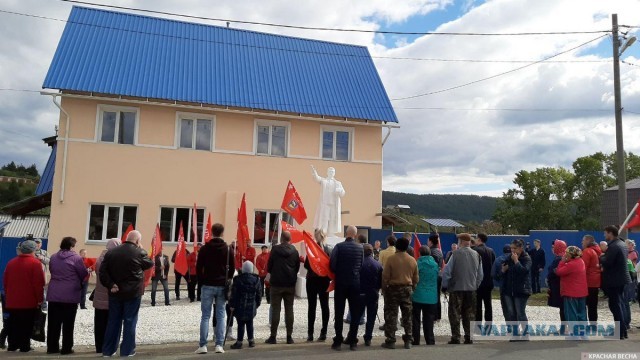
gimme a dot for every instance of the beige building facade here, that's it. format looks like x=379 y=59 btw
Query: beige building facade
x=156 y=160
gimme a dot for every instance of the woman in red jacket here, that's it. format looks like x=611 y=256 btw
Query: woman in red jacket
x=573 y=284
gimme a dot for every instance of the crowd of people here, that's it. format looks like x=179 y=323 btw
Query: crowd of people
x=231 y=284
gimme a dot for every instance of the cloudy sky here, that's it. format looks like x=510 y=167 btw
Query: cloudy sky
x=468 y=140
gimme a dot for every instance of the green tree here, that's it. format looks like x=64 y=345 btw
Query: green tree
x=591 y=179
x=542 y=199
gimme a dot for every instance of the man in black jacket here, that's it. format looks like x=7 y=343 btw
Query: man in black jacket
x=483 y=294
x=615 y=275
x=538 y=262
x=346 y=263
x=122 y=272
x=214 y=267
x=161 y=274
x=283 y=265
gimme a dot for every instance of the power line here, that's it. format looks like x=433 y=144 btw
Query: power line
x=628 y=63
x=414 y=108
x=294 y=50
x=497 y=75
x=333 y=29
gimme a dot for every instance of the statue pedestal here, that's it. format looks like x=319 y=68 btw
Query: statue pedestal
x=333 y=240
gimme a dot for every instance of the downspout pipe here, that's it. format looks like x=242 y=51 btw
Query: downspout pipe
x=386 y=137
x=66 y=144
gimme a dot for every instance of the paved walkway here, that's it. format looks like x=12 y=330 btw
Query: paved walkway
x=535 y=350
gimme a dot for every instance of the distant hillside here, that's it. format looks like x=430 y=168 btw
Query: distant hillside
x=458 y=207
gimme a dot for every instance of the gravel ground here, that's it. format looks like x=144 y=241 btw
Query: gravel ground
x=180 y=322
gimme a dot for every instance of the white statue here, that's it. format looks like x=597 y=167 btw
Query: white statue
x=329 y=210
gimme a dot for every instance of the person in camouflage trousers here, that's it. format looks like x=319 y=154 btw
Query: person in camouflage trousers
x=399 y=279
x=461 y=278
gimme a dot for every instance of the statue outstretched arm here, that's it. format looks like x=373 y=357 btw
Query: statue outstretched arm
x=315 y=174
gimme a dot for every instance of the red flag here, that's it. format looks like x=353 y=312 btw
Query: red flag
x=292 y=204
x=207 y=231
x=318 y=259
x=181 y=265
x=296 y=235
x=156 y=248
x=416 y=246
x=126 y=233
x=635 y=220
x=242 y=235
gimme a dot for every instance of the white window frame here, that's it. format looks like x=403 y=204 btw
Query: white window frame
x=104 y=216
x=267 y=241
x=180 y=115
x=334 y=129
x=115 y=108
x=187 y=229
x=271 y=123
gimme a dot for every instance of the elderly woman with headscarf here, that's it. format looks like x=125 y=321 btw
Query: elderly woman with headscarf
x=553 y=280
x=573 y=284
x=101 y=301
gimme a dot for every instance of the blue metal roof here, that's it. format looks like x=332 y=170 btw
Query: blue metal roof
x=443 y=222
x=46 y=181
x=132 y=55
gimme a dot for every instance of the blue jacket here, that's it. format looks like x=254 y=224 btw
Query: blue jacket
x=370 y=276
x=426 y=291
x=346 y=262
x=496 y=271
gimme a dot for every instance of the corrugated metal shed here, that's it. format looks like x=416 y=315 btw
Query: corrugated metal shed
x=38 y=225
x=631 y=184
x=443 y=222
x=132 y=55
x=46 y=181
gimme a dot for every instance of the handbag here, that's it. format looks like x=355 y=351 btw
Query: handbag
x=38 y=331
x=227 y=281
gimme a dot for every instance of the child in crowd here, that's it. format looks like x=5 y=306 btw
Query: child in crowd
x=246 y=295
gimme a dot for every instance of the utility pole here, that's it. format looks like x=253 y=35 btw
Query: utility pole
x=622 y=177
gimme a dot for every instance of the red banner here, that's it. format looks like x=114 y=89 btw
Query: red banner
x=207 y=231
x=126 y=233
x=296 y=235
x=416 y=246
x=242 y=235
x=318 y=259
x=181 y=264
x=292 y=204
x=156 y=248
x=635 y=220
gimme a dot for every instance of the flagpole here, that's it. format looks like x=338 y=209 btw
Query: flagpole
x=633 y=211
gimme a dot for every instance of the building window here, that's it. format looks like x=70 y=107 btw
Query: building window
x=195 y=132
x=266 y=228
x=336 y=144
x=110 y=221
x=272 y=138
x=118 y=125
x=172 y=217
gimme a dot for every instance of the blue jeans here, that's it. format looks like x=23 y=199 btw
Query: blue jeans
x=123 y=316
x=209 y=296
x=515 y=307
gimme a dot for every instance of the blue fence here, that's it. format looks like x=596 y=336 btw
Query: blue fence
x=497 y=242
x=8 y=252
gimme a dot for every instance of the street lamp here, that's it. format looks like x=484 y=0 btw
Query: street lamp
x=622 y=177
